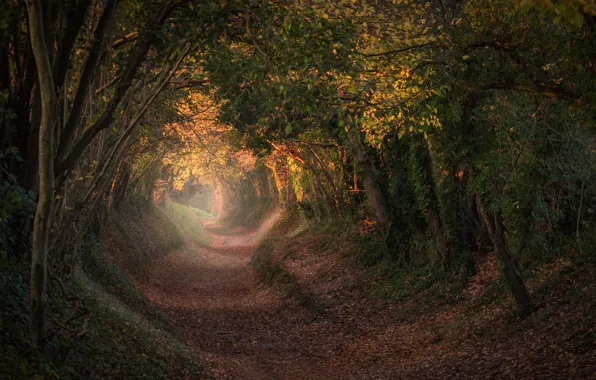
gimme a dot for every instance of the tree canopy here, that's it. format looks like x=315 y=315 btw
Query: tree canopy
x=448 y=126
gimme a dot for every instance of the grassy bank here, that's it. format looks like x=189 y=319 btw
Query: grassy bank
x=125 y=337
x=187 y=221
x=341 y=269
x=270 y=258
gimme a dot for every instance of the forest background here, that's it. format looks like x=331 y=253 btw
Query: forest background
x=440 y=131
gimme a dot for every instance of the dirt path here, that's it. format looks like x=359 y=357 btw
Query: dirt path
x=250 y=331
x=213 y=297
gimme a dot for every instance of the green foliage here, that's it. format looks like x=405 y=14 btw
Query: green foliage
x=535 y=178
x=571 y=12
x=17 y=359
x=403 y=284
x=16 y=204
x=423 y=184
x=126 y=336
x=370 y=250
x=270 y=76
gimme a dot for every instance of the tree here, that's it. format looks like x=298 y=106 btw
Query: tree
x=43 y=214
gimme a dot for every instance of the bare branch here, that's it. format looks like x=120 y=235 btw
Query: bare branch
x=397 y=51
x=551 y=92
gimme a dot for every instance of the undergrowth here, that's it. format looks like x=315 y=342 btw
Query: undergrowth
x=421 y=284
x=18 y=360
x=269 y=267
x=126 y=338
x=97 y=266
x=124 y=341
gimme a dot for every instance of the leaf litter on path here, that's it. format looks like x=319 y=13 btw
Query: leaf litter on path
x=250 y=331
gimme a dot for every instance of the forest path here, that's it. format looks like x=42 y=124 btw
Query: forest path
x=213 y=297
x=249 y=331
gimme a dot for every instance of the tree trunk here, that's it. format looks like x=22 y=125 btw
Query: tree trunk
x=41 y=228
x=75 y=19
x=496 y=230
x=458 y=205
x=421 y=162
x=103 y=29
x=218 y=199
x=367 y=171
x=290 y=194
x=119 y=186
x=338 y=201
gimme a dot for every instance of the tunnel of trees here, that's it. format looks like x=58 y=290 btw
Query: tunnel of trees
x=449 y=129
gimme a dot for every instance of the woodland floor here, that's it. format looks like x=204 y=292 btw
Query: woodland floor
x=247 y=330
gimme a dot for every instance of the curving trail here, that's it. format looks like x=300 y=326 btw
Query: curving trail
x=250 y=331
x=212 y=296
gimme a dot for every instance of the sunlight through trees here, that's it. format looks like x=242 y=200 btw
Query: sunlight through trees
x=443 y=131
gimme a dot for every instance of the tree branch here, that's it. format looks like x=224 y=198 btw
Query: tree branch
x=189 y=83
x=103 y=28
x=551 y=92
x=134 y=62
x=325 y=145
x=124 y=40
x=401 y=50
x=75 y=19
x=122 y=141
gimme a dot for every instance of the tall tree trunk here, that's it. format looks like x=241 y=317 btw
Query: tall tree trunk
x=103 y=29
x=367 y=171
x=496 y=230
x=458 y=206
x=338 y=201
x=4 y=84
x=119 y=186
x=423 y=176
x=456 y=201
x=41 y=228
x=75 y=19
x=28 y=177
x=290 y=193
